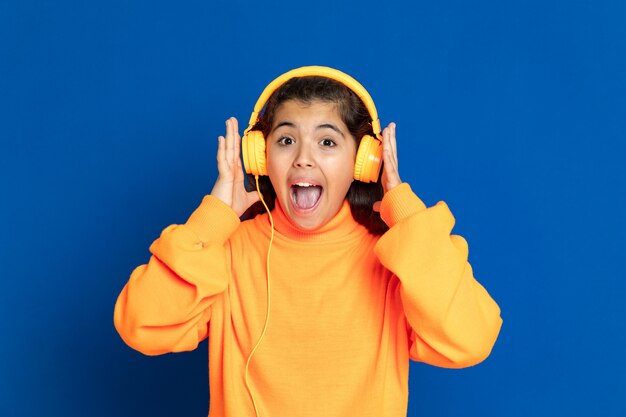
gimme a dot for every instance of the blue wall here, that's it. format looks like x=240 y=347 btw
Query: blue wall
x=511 y=112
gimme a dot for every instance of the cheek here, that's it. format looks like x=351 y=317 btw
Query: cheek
x=344 y=175
x=342 y=167
x=274 y=171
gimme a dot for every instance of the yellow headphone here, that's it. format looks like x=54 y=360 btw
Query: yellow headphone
x=369 y=155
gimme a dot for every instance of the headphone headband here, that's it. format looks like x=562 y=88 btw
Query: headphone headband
x=314 y=70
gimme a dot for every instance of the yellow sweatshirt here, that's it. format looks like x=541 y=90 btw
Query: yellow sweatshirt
x=347 y=310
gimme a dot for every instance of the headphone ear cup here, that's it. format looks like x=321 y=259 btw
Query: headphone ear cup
x=368 y=160
x=253 y=151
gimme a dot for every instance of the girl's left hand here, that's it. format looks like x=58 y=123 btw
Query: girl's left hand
x=391 y=176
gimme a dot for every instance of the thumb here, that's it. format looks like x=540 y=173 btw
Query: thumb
x=253 y=197
x=376 y=206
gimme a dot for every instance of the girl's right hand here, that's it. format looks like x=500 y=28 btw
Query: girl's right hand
x=229 y=186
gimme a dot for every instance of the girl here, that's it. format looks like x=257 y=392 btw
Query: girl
x=316 y=307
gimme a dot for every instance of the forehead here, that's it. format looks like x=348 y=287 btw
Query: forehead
x=316 y=111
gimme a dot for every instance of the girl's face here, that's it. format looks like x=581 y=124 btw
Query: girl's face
x=310 y=161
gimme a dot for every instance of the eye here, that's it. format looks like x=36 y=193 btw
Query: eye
x=328 y=142
x=285 y=141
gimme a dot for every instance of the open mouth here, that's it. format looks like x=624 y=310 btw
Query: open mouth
x=305 y=196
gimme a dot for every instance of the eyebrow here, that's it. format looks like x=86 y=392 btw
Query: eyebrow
x=322 y=126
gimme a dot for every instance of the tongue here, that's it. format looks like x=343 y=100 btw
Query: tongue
x=306 y=197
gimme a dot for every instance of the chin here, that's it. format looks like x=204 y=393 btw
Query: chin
x=307 y=224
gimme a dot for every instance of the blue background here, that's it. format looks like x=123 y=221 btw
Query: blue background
x=511 y=112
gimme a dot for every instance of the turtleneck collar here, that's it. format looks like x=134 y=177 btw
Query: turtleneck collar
x=339 y=227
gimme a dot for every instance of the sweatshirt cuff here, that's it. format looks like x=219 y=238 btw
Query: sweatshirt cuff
x=399 y=203
x=213 y=220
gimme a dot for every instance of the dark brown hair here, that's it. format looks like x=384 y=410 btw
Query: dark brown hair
x=354 y=114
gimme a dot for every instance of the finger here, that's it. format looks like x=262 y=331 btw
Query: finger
x=391 y=146
x=239 y=172
x=391 y=165
x=376 y=206
x=237 y=144
x=253 y=197
x=221 y=153
x=387 y=151
x=235 y=125
x=391 y=177
x=393 y=174
x=229 y=143
x=392 y=140
x=239 y=175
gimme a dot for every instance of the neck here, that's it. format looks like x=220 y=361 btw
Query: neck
x=340 y=226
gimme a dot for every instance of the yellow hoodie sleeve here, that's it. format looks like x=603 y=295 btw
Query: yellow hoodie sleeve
x=166 y=304
x=453 y=321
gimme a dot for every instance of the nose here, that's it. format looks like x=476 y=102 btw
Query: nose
x=304 y=158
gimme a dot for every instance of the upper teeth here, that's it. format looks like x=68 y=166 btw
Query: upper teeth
x=304 y=184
